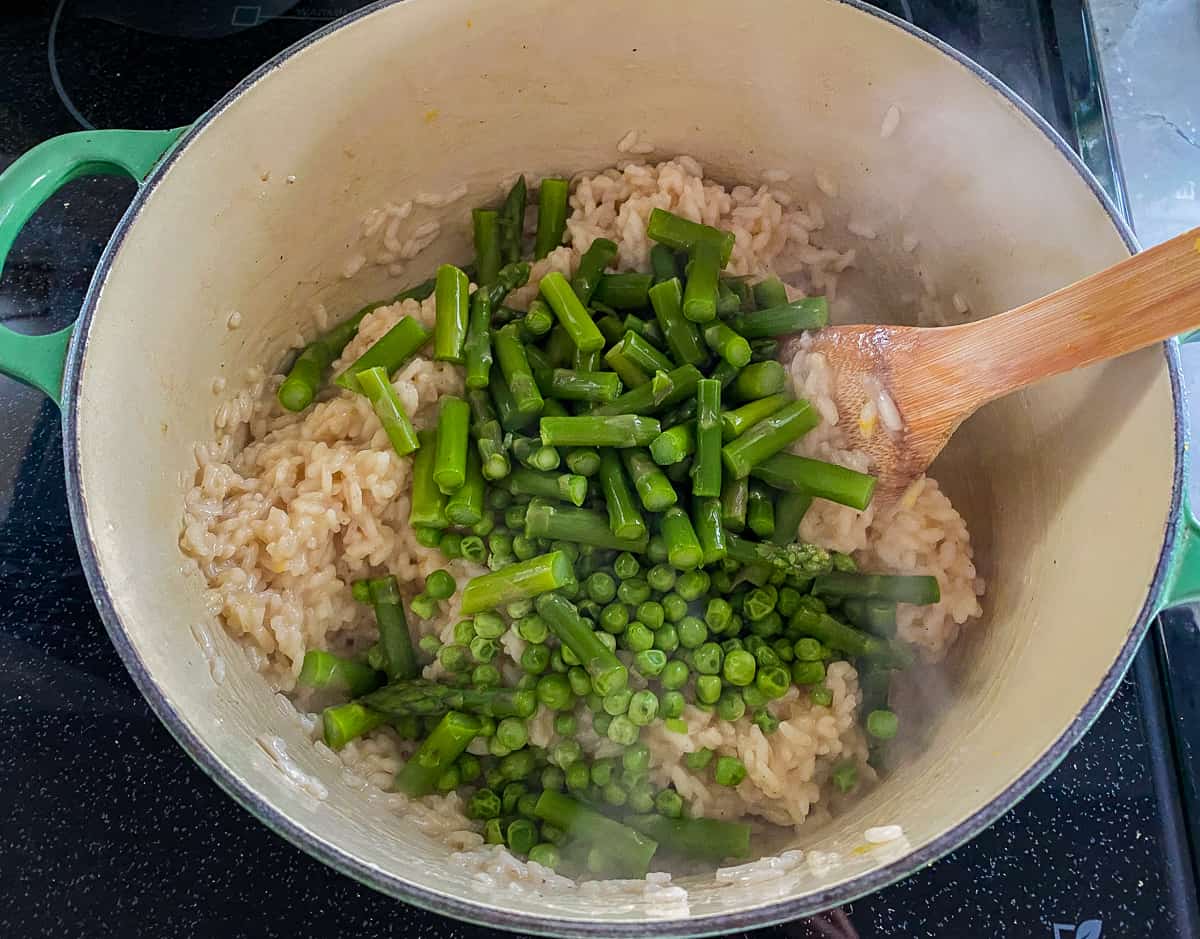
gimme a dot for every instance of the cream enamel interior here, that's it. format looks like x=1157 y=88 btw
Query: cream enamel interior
x=423 y=95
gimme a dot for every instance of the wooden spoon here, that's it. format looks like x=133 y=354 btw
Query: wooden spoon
x=938 y=377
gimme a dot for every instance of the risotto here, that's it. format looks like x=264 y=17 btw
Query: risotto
x=572 y=557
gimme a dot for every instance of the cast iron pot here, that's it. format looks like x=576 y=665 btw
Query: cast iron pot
x=1072 y=489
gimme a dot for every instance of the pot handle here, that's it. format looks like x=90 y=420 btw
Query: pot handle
x=32 y=179
x=1183 y=574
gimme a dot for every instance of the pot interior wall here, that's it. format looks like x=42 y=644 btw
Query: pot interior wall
x=262 y=211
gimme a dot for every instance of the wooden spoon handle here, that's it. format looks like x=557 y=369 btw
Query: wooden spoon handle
x=1149 y=298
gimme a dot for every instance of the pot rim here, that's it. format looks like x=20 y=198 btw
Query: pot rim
x=477 y=912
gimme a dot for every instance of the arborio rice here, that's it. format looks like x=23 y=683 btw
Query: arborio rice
x=288 y=509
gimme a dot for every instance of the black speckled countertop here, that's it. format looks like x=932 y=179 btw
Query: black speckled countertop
x=108 y=829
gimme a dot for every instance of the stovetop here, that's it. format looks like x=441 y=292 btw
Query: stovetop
x=107 y=828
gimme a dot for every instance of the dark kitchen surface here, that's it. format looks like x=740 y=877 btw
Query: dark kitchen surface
x=108 y=829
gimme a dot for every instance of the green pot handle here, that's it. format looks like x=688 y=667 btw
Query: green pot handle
x=1183 y=575
x=24 y=186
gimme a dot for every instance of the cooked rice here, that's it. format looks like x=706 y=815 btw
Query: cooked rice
x=289 y=509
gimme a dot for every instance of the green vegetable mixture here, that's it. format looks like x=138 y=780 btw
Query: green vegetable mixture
x=619 y=463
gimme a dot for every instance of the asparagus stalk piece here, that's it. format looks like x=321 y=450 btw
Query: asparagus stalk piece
x=803 y=560
x=624 y=518
x=759 y=379
x=683 y=547
x=700 y=292
x=572 y=315
x=510 y=277
x=731 y=347
x=631 y=374
x=437 y=753
x=486 y=225
x=818 y=479
x=423 y=698
x=770 y=292
x=399 y=658
x=450 y=463
x=760 y=512
x=511 y=419
x=394 y=348
x=570 y=385
x=653 y=488
x=697 y=839
x=808 y=313
x=621 y=430
x=898 y=588
x=489 y=437
x=326 y=670
x=379 y=391
x=736 y=422
x=465 y=507
x=552 y=216
x=537 y=321
x=345 y=722
x=681 y=335
x=558 y=522
x=453 y=314
x=519 y=581
x=735 y=498
x=478 y=344
x=428 y=505
x=568 y=487
x=683 y=235
x=768 y=437
x=595 y=259
x=662 y=263
x=710 y=531
x=674 y=444
x=585 y=461
x=561 y=615
x=510 y=355
x=630 y=849
x=790 y=509
x=643 y=354
x=512 y=222
x=706 y=473
x=874 y=614
x=623 y=291
x=661 y=392
x=853 y=642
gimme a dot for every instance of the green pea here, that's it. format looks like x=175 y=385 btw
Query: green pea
x=429 y=644
x=469 y=768
x=571 y=589
x=423 y=606
x=526 y=805
x=565 y=752
x=622 y=730
x=788 y=602
x=692 y=585
x=656 y=550
x=770 y=625
x=535 y=659
x=720 y=581
x=581 y=681
x=821 y=696
x=626 y=566
x=487 y=727
x=812 y=604
x=518 y=609
x=718 y=614
x=633 y=591
x=553 y=835
x=521 y=835
x=614 y=795
x=675 y=675
x=643 y=707
x=614 y=618
x=617 y=702
x=590 y=609
x=600 y=587
x=568 y=656
x=760 y=601
x=708 y=659
x=464 y=632
x=427 y=537
x=661 y=577
x=451 y=545
x=473 y=548
x=577 y=776
x=739 y=667
x=493 y=831
x=553 y=779
x=449 y=780
x=494 y=778
x=498 y=499
x=698 y=759
x=669 y=803
x=557 y=664
x=514 y=516
x=808 y=673
x=783 y=650
x=545 y=854
x=641 y=798
x=767 y=722
x=485 y=676
x=440 y=585
x=732 y=645
x=651 y=613
x=489 y=625
x=608 y=640
x=764 y=655
x=533 y=628
x=483 y=650
x=566 y=724
x=554 y=691
x=730 y=706
x=650 y=662
x=636 y=759
x=692 y=632
x=594 y=702
x=638 y=638
x=671 y=704
x=518 y=764
x=753 y=697
x=674 y=607
x=511 y=795
x=600 y=723
x=730 y=771
x=666 y=638
x=882 y=724
x=454 y=658
x=484 y=527
x=524 y=548
x=483 y=804
x=807 y=650
x=708 y=689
